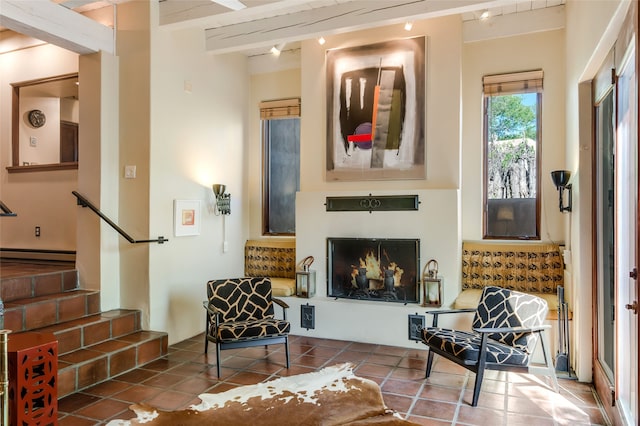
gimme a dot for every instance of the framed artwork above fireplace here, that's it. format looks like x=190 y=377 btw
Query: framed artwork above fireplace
x=376 y=111
x=377 y=269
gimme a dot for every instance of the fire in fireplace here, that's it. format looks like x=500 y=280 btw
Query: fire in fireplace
x=373 y=269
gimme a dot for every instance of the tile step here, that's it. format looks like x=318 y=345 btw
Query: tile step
x=36 y=312
x=94 y=364
x=16 y=288
x=90 y=330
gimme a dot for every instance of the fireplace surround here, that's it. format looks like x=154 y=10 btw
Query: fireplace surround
x=378 y=269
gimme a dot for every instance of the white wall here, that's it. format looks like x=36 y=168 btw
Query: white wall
x=198 y=137
x=544 y=50
x=39 y=198
x=435 y=223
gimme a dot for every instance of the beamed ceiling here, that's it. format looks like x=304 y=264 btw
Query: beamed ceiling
x=253 y=29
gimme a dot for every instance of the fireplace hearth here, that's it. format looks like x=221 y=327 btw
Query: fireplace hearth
x=373 y=269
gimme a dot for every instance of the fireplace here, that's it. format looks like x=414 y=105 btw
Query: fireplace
x=373 y=269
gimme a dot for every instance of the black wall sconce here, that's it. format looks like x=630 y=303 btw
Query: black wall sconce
x=561 y=181
x=223 y=200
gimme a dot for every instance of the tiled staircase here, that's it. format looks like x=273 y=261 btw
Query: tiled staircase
x=93 y=346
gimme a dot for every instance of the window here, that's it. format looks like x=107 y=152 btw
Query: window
x=512 y=113
x=281 y=165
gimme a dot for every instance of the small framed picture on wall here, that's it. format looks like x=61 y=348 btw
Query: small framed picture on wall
x=186 y=216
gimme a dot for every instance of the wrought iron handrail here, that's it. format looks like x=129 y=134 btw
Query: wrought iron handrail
x=6 y=211
x=82 y=201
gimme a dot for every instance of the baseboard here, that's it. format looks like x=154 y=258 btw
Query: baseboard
x=35 y=254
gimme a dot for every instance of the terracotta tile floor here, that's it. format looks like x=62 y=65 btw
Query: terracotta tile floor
x=175 y=381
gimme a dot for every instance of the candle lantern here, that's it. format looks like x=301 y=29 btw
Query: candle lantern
x=431 y=285
x=306 y=279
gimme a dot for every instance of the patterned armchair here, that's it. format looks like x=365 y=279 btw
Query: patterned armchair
x=506 y=328
x=240 y=313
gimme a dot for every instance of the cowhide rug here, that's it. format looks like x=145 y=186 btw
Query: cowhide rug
x=331 y=396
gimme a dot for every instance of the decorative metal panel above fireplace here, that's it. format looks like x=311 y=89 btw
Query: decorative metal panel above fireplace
x=381 y=269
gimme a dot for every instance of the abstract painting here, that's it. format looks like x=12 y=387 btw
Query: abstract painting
x=376 y=111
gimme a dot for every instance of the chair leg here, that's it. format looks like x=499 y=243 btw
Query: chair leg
x=429 y=363
x=477 y=386
x=218 y=358
x=206 y=330
x=482 y=360
x=547 y=361
x=286 y=348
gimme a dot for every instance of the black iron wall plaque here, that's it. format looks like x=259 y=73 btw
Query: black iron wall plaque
x=372 y=203
x=307 y=316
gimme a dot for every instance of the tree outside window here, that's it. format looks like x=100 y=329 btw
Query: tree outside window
x=512 y=149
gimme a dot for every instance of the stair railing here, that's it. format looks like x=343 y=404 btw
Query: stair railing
x=82 y=201
x=6 y=211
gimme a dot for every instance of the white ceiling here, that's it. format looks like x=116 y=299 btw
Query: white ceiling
x=254 y=29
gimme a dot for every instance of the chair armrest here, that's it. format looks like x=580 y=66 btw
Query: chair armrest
x=280 y=302
x=513 y=329
x=450 y=311
x=210 y=308
x=447 y=311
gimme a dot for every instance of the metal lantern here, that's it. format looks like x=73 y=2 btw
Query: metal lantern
x=306 y=279
x=431 y=285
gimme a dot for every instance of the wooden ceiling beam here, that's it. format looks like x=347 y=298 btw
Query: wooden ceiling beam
x=56 y=24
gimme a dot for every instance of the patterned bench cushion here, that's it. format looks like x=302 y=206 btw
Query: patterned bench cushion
x=531 y=268
x=275 y=259
x=534 y=268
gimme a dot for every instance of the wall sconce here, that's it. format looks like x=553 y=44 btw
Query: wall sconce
x=431 y=285
x=223 y=201
x=561 y=181
x=306 y=279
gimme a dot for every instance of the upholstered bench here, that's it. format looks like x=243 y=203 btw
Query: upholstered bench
x=535 y=268
x=275 y=259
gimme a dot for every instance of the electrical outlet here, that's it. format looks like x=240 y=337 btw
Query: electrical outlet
x=37 y=231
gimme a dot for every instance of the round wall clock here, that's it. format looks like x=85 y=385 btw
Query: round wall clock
x=37 y=118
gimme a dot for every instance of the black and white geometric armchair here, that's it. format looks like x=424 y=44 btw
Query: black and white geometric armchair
x=506 y=328
x=240 y=313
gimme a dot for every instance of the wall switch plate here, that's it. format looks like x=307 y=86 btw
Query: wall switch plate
x=308 y=316
x=33 y=141
x=225 y=246
x=129 y=172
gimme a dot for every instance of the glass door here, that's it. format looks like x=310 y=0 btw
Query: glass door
x=605 y=234
x=627 y=233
